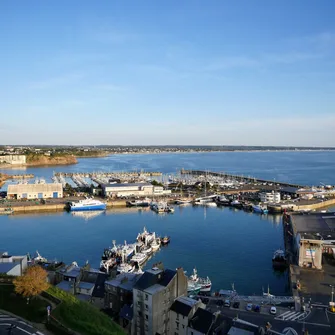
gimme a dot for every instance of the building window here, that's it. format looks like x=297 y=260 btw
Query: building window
x=183 y=326
x=177 y=318
x=121 y=298
x=138 y=303
x=177 y=325
x=146 y=307
x=146 y=297
x=140 y=314
x=146 y=316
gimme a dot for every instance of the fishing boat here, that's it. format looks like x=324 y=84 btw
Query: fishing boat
x=125 y=268
x=139 y=203
x=193 y=288
x=139 y=258
x=128 y=249
x=159 y=207
x=210 y=204
x=87 y=205
x=146 y=237
x=222 y=200
x=106 y=265
x=279 y=259
x=165 y=240
x=260 y=209
x=183 y=202
x=236 y=204
x=155 y=245
x=169 y=209
x=205 y=283
x=39 y=258
x=146 y=250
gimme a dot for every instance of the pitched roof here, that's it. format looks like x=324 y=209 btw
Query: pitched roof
x=201 y=321
x=150 y=278
x=181 y=308
x=6 y=267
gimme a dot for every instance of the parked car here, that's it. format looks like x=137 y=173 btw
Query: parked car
x=248 y=307
x=256 y=308
x=236 y=304
x=273 y=310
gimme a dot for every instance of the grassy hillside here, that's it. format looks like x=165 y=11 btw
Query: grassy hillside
x=81 y=316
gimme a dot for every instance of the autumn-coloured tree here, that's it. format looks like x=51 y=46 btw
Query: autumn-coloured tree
x=32 y=283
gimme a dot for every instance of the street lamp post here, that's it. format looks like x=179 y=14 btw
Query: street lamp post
x=332 y=294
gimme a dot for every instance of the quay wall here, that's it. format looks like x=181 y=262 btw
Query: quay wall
x=251 y=179
x=130 y=173
x=38 y=208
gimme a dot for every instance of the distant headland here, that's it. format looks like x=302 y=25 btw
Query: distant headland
x=39 y=155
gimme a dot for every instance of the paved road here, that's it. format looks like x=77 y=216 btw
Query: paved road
x=22 y=327
x=317 y=322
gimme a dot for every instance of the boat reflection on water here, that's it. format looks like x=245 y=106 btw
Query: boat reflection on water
x=88 y=215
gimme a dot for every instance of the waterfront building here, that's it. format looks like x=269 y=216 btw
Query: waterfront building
x=13 y=159
x=12 y=265
x=313 y=235
x=181 y=311
x=272 y=197
x=35 y=191
x=153 y=295
x=119 y=291
x=133 y=189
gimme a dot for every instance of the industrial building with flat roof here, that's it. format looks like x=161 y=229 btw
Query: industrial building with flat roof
x=132 y=189
x=314 y=235
x=35 y=191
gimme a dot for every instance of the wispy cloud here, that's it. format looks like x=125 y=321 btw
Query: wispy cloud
x=56 y=81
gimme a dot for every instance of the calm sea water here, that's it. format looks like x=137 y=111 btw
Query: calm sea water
x=229 y=246
x=302 y=167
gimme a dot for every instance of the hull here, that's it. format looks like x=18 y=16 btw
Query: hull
x=206 y=288
x=88 y=208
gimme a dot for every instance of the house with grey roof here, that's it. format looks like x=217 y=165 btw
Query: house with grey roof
x=181 y=311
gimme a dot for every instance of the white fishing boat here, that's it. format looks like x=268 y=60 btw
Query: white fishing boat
x=146 y=237
x=128 y=249
x=205 y=283
x=39 y=258
x=155 y=245
x=146 y=250
x=125 y=268
x=139 y=258
x=192 y=287
x=260 y=209
x=183 y=202
x=210 y=204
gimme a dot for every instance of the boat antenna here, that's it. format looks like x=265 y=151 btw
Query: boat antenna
x=233 y=286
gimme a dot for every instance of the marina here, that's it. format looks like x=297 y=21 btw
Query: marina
x=198 y=234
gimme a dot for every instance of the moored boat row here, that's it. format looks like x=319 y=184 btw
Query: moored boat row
x=129 y=257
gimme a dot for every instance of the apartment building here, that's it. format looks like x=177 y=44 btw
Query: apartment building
x=153 y=295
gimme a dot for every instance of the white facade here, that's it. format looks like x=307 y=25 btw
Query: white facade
x=15 y=264
x=133 y=189
x=270 y=197
x=35 y=191
x=13 y=159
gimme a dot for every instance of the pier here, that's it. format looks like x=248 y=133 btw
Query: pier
x=238 y=178
x=108 y=174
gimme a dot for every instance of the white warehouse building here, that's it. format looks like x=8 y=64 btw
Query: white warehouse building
x=35 y=191
x=270 y=197
x=132 y=189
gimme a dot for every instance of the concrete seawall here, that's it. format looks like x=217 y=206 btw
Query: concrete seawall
x=59 y=207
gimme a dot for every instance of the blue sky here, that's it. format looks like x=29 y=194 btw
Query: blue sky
x=167 y=72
